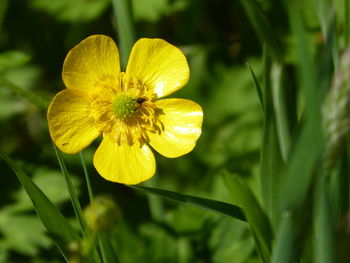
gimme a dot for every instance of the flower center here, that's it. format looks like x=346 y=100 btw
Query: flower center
x=124 y=109
x=124 y=106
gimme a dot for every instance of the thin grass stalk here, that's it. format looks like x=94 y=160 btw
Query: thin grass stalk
x=87 y=177
x=258 y=89
x=73 y=196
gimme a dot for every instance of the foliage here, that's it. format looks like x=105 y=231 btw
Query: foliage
x=263 y=183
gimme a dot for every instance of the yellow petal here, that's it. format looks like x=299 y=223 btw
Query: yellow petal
x=89 y=62
x=182 y=120
x=124 y=164
x=160 y=65
x=69 y=124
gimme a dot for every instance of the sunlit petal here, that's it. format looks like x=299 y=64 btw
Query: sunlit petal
x=124 y=164
x=158 y=64
x=182 y=120
x=92 y=60
x=69 y=124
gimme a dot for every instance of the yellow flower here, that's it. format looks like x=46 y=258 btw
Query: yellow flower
x=124 y=107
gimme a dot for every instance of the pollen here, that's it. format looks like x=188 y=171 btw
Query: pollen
x=124 y=106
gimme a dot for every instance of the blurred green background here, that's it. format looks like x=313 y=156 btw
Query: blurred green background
x=218 y=41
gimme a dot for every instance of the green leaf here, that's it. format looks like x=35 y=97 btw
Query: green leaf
x=22 y=233
x=55 y=223
x=202 y=203
x=72 y=11
x=35 y=99
x=231 y=241
x=12 y=58
x=154 y=10
x=256 y=217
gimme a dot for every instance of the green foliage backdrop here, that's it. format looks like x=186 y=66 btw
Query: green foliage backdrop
x=264 y=183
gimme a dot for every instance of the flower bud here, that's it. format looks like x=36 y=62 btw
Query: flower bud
x=101 y=214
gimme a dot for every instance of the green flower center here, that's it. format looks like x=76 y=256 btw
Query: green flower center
x=124 y=106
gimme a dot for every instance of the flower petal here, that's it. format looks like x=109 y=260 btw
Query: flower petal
x=124 y=164
x=182 y=120
x=70 y=126
x=158 y=64
x=90 y=61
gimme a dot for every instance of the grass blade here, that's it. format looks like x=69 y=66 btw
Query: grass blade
x=324 y=243
x=87 y=177
x=256 y=217
x=270 y=156
x=280 y=110
x=326 y=14
x=263 y=28
x=285 y=240
x=125 y=28
x=55 y=223
x=300 y=165
x=202 y=203
x=73 y=196
x=107 y=251
x=257 y=87
x=300 y=168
